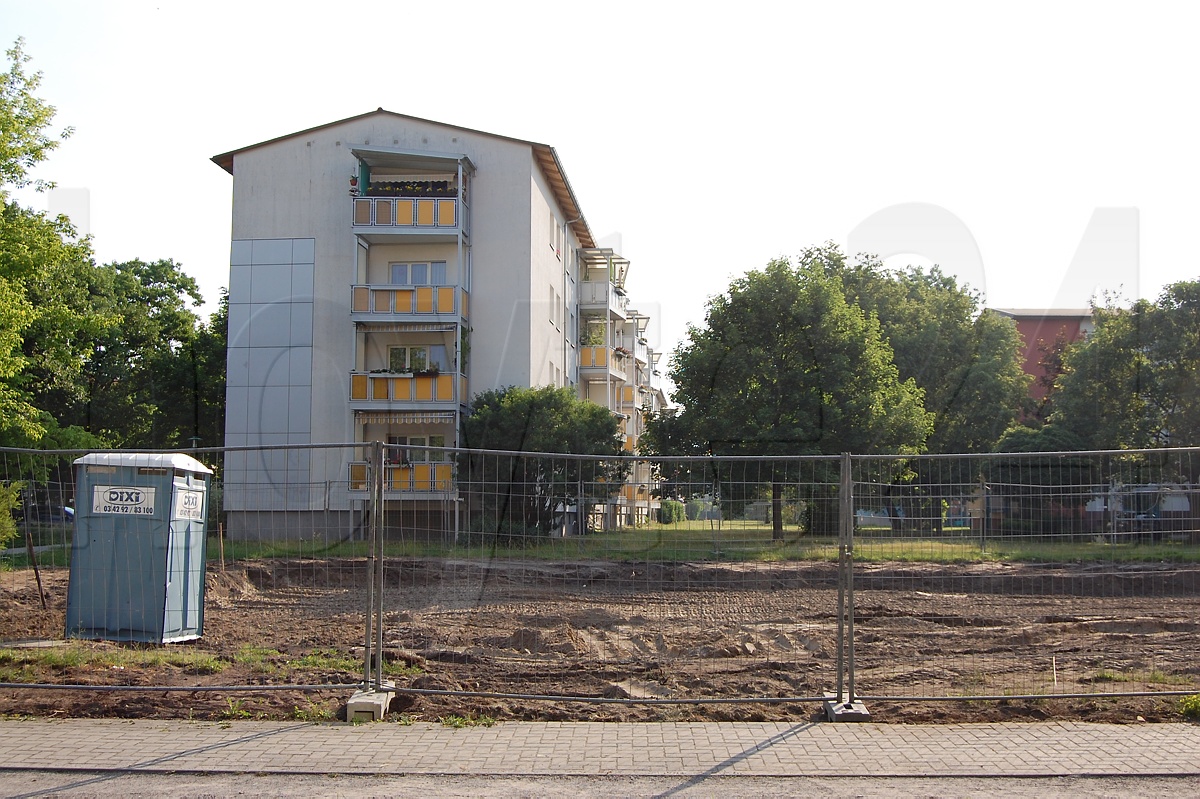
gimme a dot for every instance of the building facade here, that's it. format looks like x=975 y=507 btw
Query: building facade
x=383 y=270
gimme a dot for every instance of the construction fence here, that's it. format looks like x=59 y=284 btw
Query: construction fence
x=520 y=577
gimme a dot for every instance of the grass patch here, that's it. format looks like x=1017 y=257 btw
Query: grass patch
x=748 y=541
x=260 y=659
x=326 y=659
x=24 y=665
x=459 y=722
x=234 y=709
x=314 y=712
x=1109 y=676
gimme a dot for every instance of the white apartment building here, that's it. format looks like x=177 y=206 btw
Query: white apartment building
x=383 y=270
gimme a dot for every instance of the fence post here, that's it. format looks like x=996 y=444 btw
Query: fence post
x=377 y=491
x=369 y=614
x=844 y=706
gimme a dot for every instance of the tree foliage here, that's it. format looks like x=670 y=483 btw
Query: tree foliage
x=964 y=357
x=40 y=259
x=514 y=495
x=1132 y=382
x=784 y=365
x=91 y=355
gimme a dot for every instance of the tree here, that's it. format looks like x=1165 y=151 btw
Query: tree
x=1132 y=383
x=513 y=495
x=966 y=358
x=43 y=265
x=140 y=372
x=785 y=366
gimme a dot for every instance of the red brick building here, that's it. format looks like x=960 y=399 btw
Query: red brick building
x=1039 y=328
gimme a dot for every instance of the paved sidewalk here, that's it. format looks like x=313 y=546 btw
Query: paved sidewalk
x=588 y=748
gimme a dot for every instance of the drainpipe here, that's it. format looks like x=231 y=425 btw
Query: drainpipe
x=566 y=300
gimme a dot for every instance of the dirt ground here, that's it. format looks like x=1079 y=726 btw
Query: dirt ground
x=654 y=631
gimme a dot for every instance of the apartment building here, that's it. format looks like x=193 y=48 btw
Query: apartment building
x=383 y=270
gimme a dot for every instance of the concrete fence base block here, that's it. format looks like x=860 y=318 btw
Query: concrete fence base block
x=842 y=709
x=370 y=705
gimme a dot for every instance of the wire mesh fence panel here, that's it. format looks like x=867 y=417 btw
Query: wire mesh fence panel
x=250 y=564
x=1027 y=574
x=515 y=577
x=616 y=579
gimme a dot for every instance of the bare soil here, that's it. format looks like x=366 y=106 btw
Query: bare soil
x=654 y=631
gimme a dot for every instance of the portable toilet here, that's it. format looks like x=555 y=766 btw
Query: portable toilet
x=137 y=557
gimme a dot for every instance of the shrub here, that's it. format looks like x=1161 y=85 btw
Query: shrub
x=671 y=511
x=1189 y=706
x=10 y=499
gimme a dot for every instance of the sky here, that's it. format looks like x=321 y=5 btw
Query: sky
x=1040 y=152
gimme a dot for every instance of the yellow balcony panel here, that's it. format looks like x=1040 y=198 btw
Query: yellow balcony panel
x=447 y=213
x=445 y=388
x=445 y=299
x=404 y=212
x=425 y=213
x=423 y=477
x=358 y=387
x=360 y=300
x=379 y=388
x=424 y=388
x=404 y=301
x=402 y=388
x=464 y=303
x=443 y=475
x=425 y=299
x=400 y=478
x=358 y=476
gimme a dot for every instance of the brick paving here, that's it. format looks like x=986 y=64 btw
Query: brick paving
x=767 y=749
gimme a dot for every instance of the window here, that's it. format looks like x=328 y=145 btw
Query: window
x=423 y=273
x=402 y=360
x=412 y=449
x=409 y=359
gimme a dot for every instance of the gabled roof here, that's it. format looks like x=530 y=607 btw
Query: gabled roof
x=546 y=157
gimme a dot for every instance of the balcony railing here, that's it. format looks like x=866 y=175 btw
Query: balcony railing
x=594 y=294
x=406 y=388
x=603 y=358
x=405 y=300
x=409 y=213
x=409 y=477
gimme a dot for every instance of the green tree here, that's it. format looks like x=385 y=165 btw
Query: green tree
x=140 y=374
x=514 y=495
x=785 y=366
x=44 y=267
x=966 y=358
x=1132 y=382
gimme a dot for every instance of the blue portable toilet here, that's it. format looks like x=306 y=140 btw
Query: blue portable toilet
x=137 y=556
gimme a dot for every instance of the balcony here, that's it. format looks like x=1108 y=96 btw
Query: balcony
x=603 y=296
x=596 y=361
x=380 y=219
x=372 y=389
x=369 y=303
x=409 y=478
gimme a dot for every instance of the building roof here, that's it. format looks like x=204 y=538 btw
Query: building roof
x=546 y=157
x=153 y=460
x=1045 y=313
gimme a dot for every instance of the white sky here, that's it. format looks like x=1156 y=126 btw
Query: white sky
x=712 y=138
